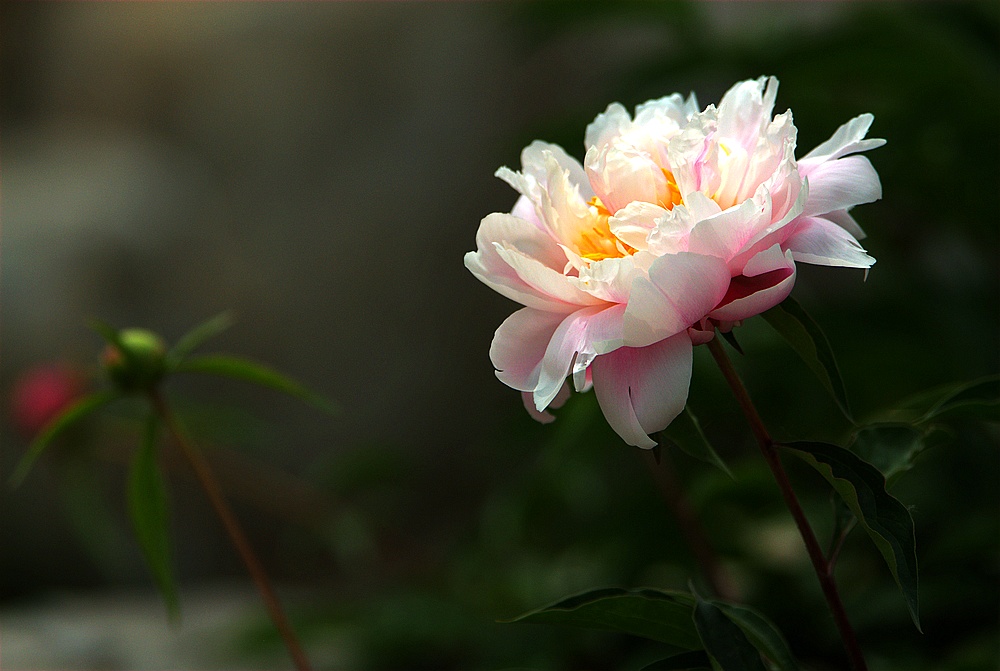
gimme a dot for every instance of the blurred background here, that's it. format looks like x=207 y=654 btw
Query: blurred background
x=320 y=169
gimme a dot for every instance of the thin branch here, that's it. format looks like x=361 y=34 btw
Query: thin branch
x=690 y=526
x=236 y=534
x=823 y=568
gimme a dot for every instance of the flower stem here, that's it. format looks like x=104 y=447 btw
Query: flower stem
x=823 y=568
x=236 y=534
x=690 y=527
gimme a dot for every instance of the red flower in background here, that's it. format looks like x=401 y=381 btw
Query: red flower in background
x=41 y=393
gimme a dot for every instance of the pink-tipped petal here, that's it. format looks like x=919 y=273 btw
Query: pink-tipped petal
x=492 y=270
x=680 y=290
x=824 y=243
x=840 y=184
x=519 y=346
x=750 y=295
x=641 y=390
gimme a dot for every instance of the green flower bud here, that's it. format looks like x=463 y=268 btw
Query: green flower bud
x=139 y=364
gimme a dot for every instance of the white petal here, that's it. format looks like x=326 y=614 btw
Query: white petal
x=681 y=289
x=519 y=345
x=745 y=109
x=535 y=161
x=841 y=184
x=641 y=390
x=725 y=234
x=824 y=243
x=847 y=139
x=633 y=223
x=608 y=125
x=621 y=174
x=608 y=279
x=490 y=268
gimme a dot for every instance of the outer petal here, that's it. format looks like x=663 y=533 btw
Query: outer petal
x=770 y=280
x=519 y=345
x=490 y=268
x=844 y=219
x=848 y=139
x=681 y=289
x=641 y=390
x=575 y=342
x=824 y=243
x=545 y=417
x=840 y=184
x=542 y=278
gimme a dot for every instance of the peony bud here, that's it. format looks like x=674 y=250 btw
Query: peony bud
x=139 y=364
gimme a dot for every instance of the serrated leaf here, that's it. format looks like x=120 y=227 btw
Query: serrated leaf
x=724 y=641
x=696 y=660
x=147 y=506
x=805 y=336
x=886 y=520
x=249 y=371
x=762 y=634
x=197 y=336
x=71 y=415
x=891 y=448
x=685 y=432
x=658 y=615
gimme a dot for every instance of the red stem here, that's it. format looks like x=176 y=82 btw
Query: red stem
x=823 y=568
x=236 y=534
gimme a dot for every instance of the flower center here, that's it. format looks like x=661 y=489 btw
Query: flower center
x=673 y=195
x=598 y=242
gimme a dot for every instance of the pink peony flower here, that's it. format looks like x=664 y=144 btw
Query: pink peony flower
x=41 y=393
x=678 y=222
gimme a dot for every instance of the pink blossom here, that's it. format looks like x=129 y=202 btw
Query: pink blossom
x=41 y=393
x=678 y=222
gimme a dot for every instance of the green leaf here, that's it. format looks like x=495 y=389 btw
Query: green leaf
x=809 y=342
x=663 y=616
x=249 y=371
x=730 y=338
x=977 y=398
x=147 y=506
x=886 y=520
x=197 y=336
x=108 y=332
x=74 y=413
x=891 y=448
x=762 y=634
x=724 y=641
x=696 y=660
x=685 y=432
